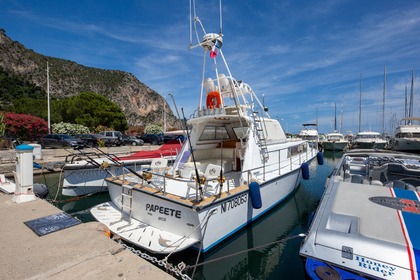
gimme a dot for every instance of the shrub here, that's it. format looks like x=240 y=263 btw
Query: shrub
x=153 y=129
x=24 y=126
x=69 y=128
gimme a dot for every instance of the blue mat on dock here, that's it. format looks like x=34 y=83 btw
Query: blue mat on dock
x=51 y=223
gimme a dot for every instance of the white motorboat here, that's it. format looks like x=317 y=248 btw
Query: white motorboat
x=236 y=166
x=310 y=133
x=369 y=140
x=407 y=136
x=85 y=173
x=335 y=141
x=368 y=221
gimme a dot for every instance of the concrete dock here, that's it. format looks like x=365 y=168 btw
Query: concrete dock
x=78 y=252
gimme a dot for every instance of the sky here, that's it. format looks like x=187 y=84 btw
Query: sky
x=305 y=57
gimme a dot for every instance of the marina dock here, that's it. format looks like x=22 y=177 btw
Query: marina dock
x=78 y=252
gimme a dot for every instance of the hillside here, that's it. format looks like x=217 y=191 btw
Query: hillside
x=140 y=104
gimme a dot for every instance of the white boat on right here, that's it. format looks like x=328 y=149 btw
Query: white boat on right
x=369 y=140
x=407 y=136
x=368 y=221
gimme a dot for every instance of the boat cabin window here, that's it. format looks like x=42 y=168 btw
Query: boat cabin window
x=408 y=135
x=214 y=133
x=240 y=132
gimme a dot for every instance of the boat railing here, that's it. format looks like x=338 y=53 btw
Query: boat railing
x=227 y=110
x=283 y=161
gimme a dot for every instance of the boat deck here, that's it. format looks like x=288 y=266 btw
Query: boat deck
x=176 y=192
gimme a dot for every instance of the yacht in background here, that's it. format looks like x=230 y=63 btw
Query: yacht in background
x=407 y=136
x=335 y=141
x=369 y=140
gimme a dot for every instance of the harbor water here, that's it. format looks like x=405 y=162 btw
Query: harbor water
x=266 y=249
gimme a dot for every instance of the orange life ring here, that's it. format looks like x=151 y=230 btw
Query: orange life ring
x=214 y=100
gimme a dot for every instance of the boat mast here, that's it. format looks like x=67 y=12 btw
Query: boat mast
x=341 y=116
x=383 y=103
x=406 y=108
x=360 y=103
x=410 y=112
x=335 y=116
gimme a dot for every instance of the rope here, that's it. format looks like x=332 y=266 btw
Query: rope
x=205 y=221
x=247 y=250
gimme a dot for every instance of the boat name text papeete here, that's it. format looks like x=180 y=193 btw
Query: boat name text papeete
x=234 y=202
x=163 y=210
x=386 y=270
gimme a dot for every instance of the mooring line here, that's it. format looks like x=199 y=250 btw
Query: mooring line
x=244 y=251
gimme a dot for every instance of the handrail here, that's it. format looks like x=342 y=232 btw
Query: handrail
x=277 y=167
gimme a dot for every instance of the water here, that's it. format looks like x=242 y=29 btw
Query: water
x=274 y=237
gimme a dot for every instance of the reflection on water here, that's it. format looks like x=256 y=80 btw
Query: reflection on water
x=236 y=258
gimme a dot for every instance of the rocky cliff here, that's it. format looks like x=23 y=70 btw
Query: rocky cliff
x=140 y=104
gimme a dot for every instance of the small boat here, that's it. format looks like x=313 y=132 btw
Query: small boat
x=368 y=221
x=369 y=140
x=236 y=165
x=85 y=173
x=407 y=136
x=335 y=141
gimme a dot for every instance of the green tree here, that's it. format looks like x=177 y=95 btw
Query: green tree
x=38 y=107
x=2 y=125
x=92 y=109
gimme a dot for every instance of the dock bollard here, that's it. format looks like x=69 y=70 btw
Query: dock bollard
x=24 y=175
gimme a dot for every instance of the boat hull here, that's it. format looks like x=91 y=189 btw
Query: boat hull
x=207 y=224
x=88 y=180
x=334 y=146
x=370 y=145
x=407 y=145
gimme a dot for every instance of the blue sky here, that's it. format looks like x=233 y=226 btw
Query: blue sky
x=304 y=56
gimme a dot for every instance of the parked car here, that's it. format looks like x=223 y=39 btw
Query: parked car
x=171 y=137
x=154 y=139
x=112 y=138
x=132 y=140
x=92 y=140
x=60 y=141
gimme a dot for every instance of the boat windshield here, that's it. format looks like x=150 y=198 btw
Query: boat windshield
x=214 y=133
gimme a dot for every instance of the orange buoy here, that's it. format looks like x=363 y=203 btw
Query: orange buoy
x=214 y=100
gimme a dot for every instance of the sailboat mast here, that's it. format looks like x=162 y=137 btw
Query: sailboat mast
x=383 y=103
x=335 y=116
x=341 y=116
x=360 y=103
x=410 y=112
x=406 y=108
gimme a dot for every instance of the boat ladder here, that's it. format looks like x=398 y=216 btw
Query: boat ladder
x=260 y=131
x=126 y=206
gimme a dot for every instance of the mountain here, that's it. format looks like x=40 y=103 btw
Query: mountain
x=140 y=104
